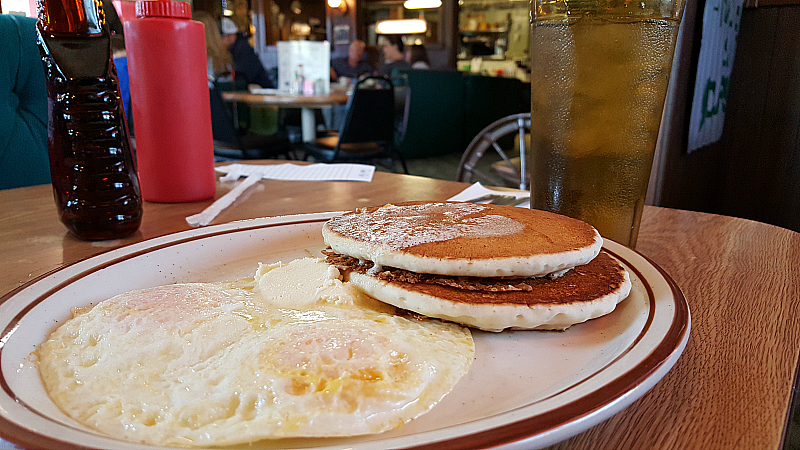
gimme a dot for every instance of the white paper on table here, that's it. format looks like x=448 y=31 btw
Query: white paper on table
x=264 y=91
x=289 y=172
x=311 y=172
x=477 y=190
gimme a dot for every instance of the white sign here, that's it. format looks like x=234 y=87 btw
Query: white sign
x=304 y=66
x=717 y=49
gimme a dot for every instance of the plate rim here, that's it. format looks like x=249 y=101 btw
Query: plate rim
x=544 y=427
x=661 y=359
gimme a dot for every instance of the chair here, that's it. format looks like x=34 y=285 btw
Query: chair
x=232 y=142
x=510 y=170
x=367 y=134
x=402 y=107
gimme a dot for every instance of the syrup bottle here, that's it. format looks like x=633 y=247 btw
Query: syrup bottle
x=95 y=184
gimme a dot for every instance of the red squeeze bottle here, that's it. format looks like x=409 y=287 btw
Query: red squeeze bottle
x=168 y=72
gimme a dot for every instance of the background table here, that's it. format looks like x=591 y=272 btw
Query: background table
x=306 y=103
x=730 y=389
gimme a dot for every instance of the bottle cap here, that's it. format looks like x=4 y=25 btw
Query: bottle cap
x=163 y=8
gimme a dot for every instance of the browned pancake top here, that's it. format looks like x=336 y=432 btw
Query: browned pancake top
x=455 y=230
x=601 y=276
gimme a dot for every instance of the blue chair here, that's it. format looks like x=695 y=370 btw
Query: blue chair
x=23 y=106
x=121 y=63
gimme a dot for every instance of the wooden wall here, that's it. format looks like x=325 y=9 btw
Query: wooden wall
x=347 y=15
x=762 y=138
x=754 y=170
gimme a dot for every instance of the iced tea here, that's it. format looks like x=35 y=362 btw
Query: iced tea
x=599 y=78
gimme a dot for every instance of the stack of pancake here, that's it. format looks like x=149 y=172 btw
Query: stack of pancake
x=490 y=267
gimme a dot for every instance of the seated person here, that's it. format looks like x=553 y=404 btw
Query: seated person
x=23 y=106
x=246 y=64
x=417 y=56
x=353 y=66
x=392 y=55
x=220 y=62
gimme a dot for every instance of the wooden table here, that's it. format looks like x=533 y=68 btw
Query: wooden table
x=306 y=103
x=730 y=388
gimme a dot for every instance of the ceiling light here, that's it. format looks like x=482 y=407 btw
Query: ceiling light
x=334 y=3
x=405 y=26
x=422 y=4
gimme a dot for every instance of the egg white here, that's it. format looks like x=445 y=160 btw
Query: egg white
x=295 y=352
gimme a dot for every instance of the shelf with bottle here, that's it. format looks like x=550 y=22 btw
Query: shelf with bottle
x=478 y=24
x=481 y=37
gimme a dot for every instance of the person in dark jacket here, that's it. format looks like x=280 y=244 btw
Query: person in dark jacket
x=353 y=65
x=246 y=64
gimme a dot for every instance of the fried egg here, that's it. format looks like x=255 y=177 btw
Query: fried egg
x=293 y=352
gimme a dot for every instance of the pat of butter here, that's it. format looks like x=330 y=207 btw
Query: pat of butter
x=309 y=281
x=305 y=282
x=299 y=283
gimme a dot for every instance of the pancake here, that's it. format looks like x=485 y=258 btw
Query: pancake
x=585 y=292
x=464 y=239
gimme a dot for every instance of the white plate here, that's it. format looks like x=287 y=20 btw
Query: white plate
x=524 y=390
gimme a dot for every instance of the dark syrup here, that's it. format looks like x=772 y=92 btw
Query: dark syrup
x=94 y=177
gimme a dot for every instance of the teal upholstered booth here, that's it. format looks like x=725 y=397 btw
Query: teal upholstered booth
x=23 y=106
x=436 y=114
x=487 y=99
x=448 y=108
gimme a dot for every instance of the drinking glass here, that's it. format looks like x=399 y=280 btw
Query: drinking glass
x=599 y=76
